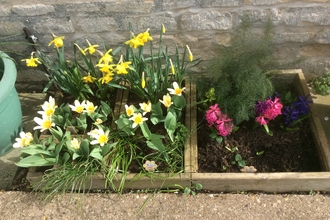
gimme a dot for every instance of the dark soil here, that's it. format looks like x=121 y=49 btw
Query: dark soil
x=285 y=151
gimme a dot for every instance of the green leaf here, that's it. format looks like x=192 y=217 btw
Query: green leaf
x=106 y=108
x=213 y=135
x=76 y=155
x=219 y=139
x=187 y=191
x=36 y=160
x=106 y=148
x=145 y=130
x=199 y=186
x=170 y=124
x=66 y=157
x=125 y=125
x=241 y=163
x=35 y=150
x=96 y=153
x=84 y=147
x=238 y=157
x=179 y=101
x=57 y=133
x=157 y=113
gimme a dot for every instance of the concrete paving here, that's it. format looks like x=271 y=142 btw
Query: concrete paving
x=30 y=103
x=23 y=205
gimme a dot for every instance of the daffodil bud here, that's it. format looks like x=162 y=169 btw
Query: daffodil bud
x=189 y=54
x=172 y=67
x=143 y=81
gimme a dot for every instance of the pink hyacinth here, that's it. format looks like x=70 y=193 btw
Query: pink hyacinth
x=268 y=110
x=219 y=121
x=212 y=114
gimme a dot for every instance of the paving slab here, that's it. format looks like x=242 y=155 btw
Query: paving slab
x=20 y=205
x=30 y=103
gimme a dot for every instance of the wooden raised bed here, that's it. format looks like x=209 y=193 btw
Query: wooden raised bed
x=233 y=182
x=277 y=182
x=160 y=180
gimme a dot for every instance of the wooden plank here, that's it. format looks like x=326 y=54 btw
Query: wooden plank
x=158 y=181
x=267 y=182
x=193 y=136
x=187 y=153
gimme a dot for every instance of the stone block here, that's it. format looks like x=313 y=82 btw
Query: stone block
x=288 y=37
x=307 y=16
x=221 y=3
x=266 y=2
x=142 y=23
x=259 y=17
x=130 y=6
x=98 y=24
x=4 y=11
x=10 y=27
x=315 y=50
x=81 y=8
x=207 y=20
x=32 y=10
x=324 y=37
x=172 y=4
x=53 y=25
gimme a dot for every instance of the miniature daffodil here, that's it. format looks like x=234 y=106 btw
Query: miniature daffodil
x=24 y=140
x=137 y=119
x=176 y=89
x=167 y=101
x=78 y=107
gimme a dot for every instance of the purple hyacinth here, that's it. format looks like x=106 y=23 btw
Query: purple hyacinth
x=296 y=109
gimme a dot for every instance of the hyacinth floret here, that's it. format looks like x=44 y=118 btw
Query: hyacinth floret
x=219 y=121
x=296 y=109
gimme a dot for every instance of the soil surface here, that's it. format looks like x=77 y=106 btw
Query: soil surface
x=285 y=151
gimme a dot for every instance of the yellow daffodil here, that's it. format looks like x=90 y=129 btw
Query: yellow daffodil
x=167 y=101
x=106 y=78
x=101 y=137
x=24 y=140
x=78 y=107
x=106 y=58
x=44 y=123
x=90 y=108
x=32 y=62
x=122 y=67
x=88 y=79
x=172 y=67
x=81 y=50
x=137 y=119
x=57 y=41
x=190 y=54
x=91 y=48
x=134 y=42
x=144 y=37
x=143 y=81
x=146 y=107
x=106 y=67
x=176 y=89
x=48 y=107
x=75 y=143
x=129 y=110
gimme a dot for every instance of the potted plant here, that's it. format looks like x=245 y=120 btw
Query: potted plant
x=94 y=139
x=10 y=107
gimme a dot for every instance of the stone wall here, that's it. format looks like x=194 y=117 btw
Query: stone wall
x=301 y=27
